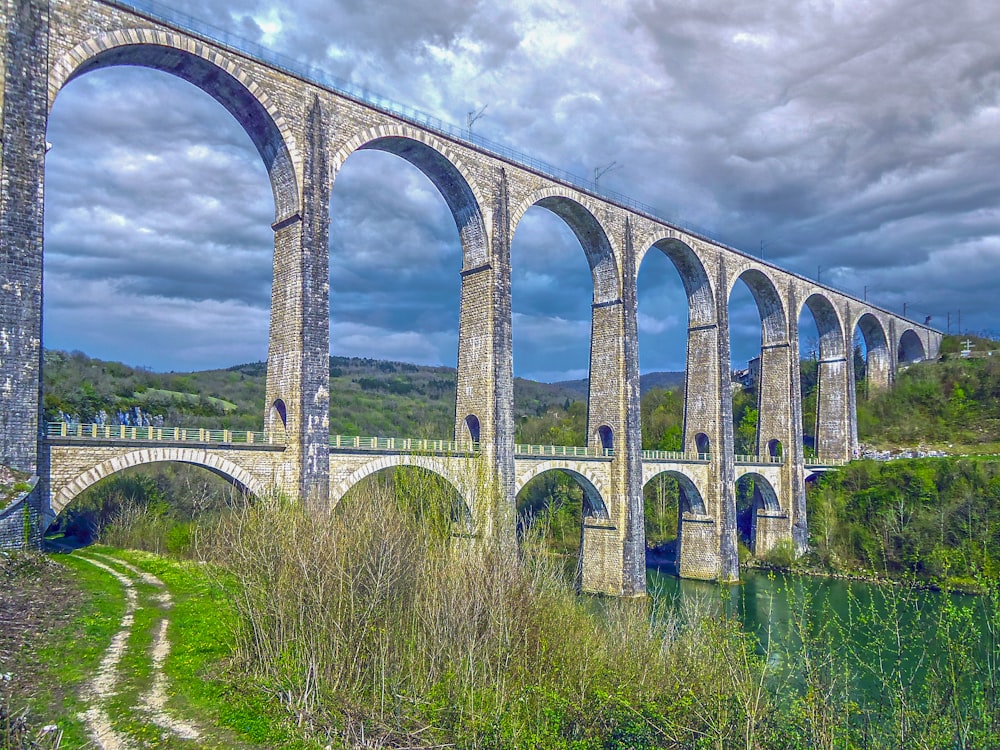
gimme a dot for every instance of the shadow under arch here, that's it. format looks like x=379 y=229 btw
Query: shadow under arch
x=236 y=475
x=877 y=356
x=679 y=495
x=774 y=328
x=754 y=496
x=911 y=348
x=589 y=232
x=445 y=171
x=209 y=71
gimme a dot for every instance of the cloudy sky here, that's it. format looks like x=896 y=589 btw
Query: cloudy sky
x=859 y=140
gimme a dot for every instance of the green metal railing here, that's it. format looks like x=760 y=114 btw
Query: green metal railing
x=402 y=445
x=748 y=458
x=565 y=451
x=818 y=462
x=159 y=434
x=673 y=456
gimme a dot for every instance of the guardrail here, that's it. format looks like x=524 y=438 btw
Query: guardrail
x=819 y=463
x=751 y=459
x=402 y=445
x=567 y=451
x=159 y=434
x=673 y=456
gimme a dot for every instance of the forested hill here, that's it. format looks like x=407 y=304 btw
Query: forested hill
x=952 y=404
x=368 y=396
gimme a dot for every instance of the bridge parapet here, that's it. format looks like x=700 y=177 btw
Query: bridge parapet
x=54 y=431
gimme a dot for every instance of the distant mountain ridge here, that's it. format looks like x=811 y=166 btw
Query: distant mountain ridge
x=666 y=380
x=367 y=396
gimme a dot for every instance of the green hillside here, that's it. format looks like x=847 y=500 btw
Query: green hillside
x=367 y=396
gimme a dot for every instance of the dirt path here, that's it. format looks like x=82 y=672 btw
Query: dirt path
x=105 y=684
x=102 y=686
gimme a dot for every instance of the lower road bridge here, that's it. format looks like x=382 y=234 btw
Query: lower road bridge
x=77 y=456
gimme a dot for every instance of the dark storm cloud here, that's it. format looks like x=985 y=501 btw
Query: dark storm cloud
x=860 y=138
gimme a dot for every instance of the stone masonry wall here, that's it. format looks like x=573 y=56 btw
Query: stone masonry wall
x=25 y=105
x=304 y=134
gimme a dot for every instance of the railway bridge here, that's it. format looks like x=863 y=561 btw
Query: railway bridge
x=305 y=125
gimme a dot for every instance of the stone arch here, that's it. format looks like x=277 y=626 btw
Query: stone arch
x=762 y=485
x=592 y=498
x=210 y=71
x=428 y=463
x=767 y=521
x=701 y=297
x=443 y=166
x=774 y=327
x=877 y=355
x=588 y=230
x=832 y=341
x=239 y=476
x=689 y=491
x=911 y=348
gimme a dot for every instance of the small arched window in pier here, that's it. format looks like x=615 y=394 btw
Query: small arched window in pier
x=607 y=439
x=472 y=425
x=702 y=444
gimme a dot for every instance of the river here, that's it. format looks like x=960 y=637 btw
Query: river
x=873 y=639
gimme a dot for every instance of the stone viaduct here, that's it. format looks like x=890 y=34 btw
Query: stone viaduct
x=304 y=130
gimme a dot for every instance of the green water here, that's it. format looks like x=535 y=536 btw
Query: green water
x=873 y=639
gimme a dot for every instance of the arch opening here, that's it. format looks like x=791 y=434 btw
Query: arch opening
x=754 y=494
x=703 y=444
x=277 y=420
x=871 y=352
x=249 y=111
x=607 y=439
x=152 y=218
x=472 y=425
x=774 y=448
x=669 y=274
x=755 y=322
x=667 y=497
x=824 y=378
x=152 y=506
x=396 y=288
x=556 y=504
x=911 y=348
x=552 y=314
x=453 y=186
x=426 y=496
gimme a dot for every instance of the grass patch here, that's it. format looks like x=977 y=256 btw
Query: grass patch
x=69 y=607
x=203 y=685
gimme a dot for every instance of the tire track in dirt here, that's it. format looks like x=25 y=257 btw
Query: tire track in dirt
x=154 y=700
x=102 y=686
x=105 y=683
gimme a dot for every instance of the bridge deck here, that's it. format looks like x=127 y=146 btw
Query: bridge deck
x=65 y=433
